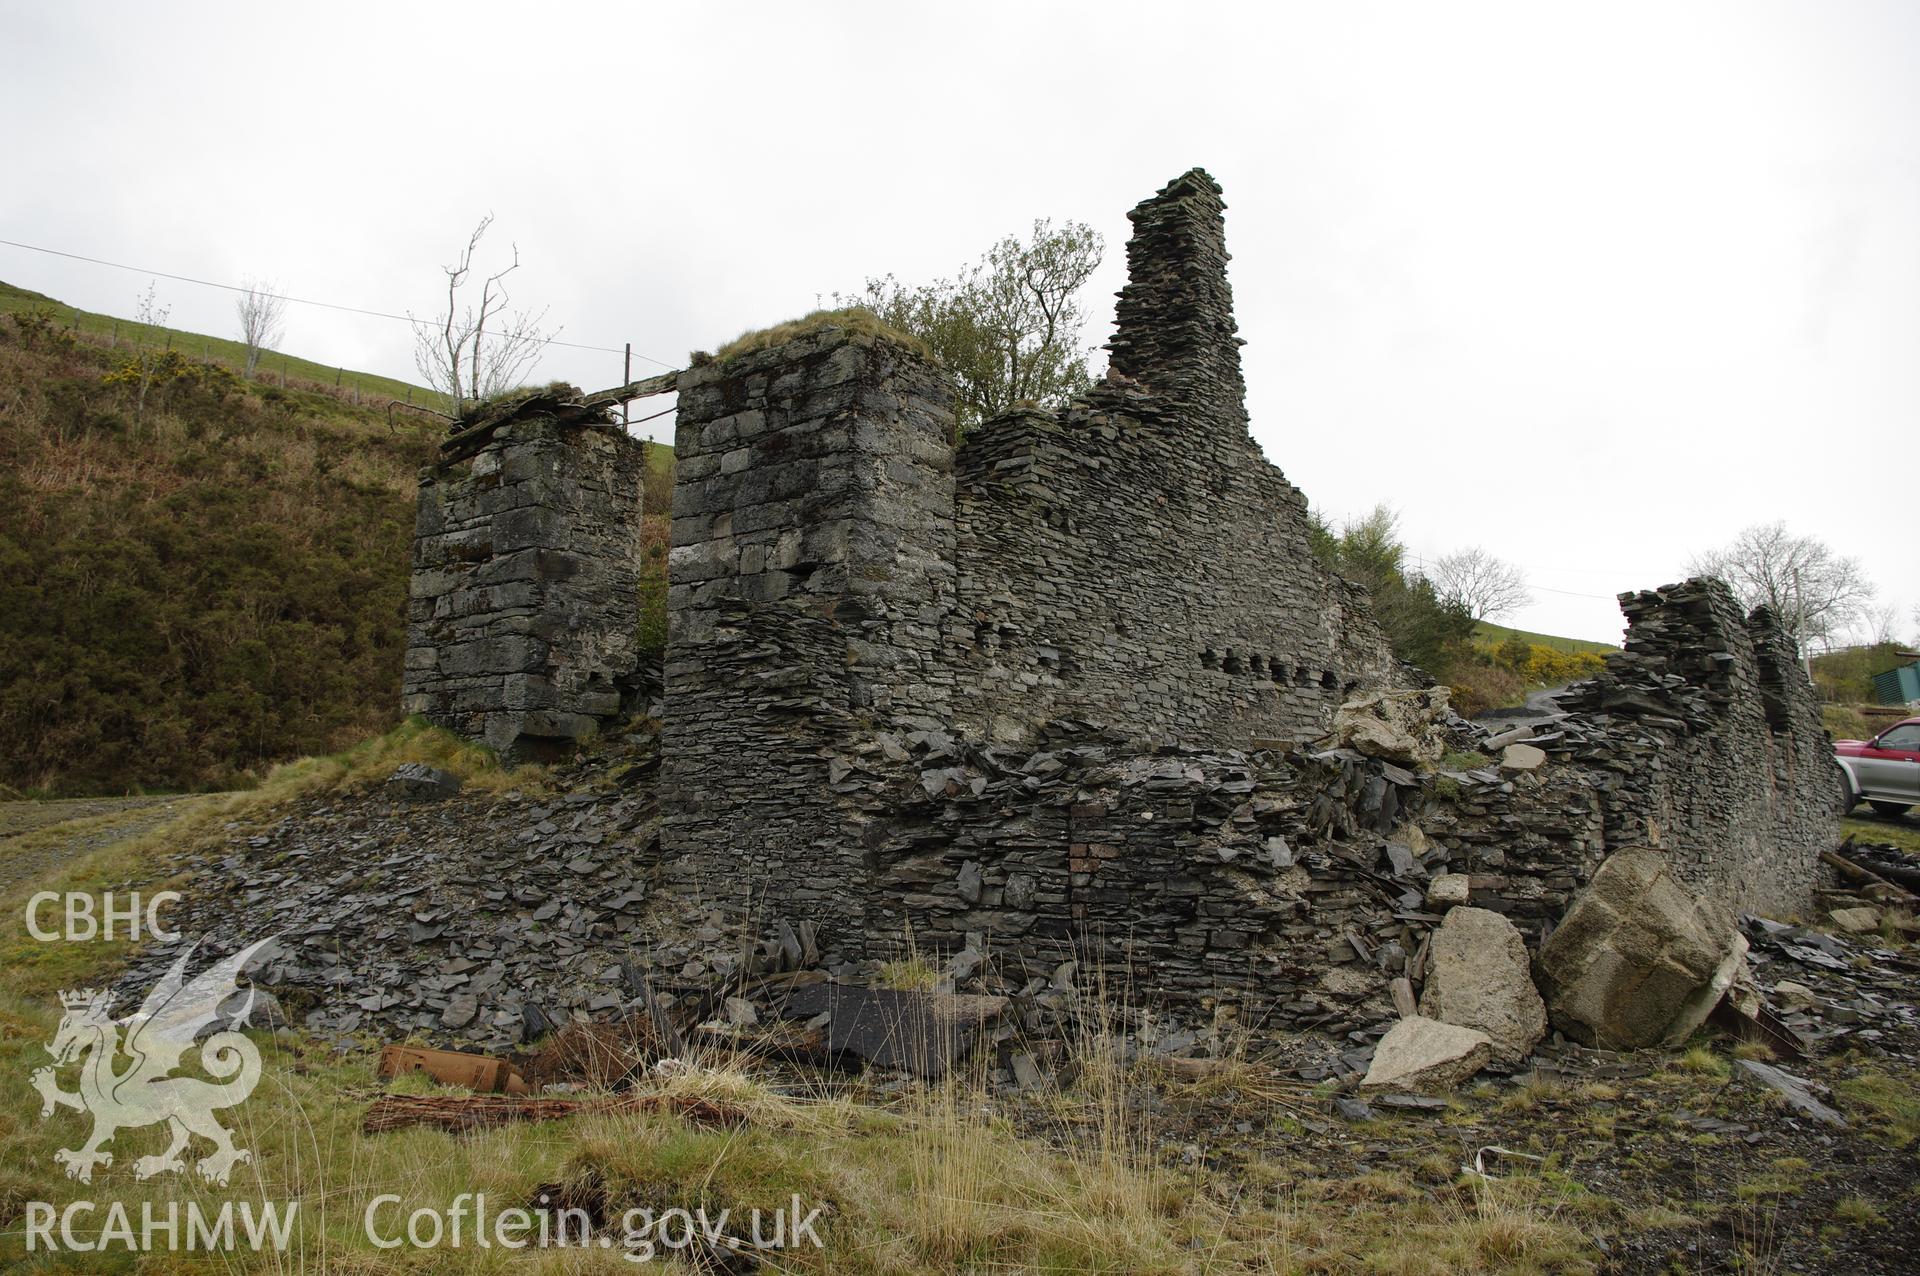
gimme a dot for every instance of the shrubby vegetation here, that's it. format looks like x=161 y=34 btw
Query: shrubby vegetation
x=1425 y=628
x=1846 y=676
x=1541 y=665
x=1434 y=628
x=190 y=594
x=1008 y=328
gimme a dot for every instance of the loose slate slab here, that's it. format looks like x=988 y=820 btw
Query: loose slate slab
x=1793 y=1088
x=918 y=1032
x=418 y=782
x=1522 y=757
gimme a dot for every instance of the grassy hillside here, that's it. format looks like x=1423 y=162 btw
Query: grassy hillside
x=212 y=583
x=1846 y=676
x=273 y=364
x=1490 y=635
x=194 y=589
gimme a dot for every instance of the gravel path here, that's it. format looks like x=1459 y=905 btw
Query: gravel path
x=36 y=837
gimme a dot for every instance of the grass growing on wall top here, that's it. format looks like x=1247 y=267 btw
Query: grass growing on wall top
x=857 y=319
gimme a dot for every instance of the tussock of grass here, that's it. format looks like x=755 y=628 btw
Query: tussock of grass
x=1701 y=1061
x=1893 y=1104
x=851 y=318
x=1858 y=1211
x=725 y=1081
x=907 y=974
x=371 y=761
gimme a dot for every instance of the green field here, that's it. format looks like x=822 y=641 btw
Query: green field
x=1490 y=635
x=15 y=300
x=216 y=349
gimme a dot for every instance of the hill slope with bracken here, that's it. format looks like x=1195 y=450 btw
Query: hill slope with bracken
x=196 y=584
x=204 y=575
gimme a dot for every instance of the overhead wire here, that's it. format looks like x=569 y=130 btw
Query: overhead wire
x=306 y=301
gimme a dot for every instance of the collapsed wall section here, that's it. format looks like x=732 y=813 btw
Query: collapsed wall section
x=1293 y=887
x=1711 y=732
x=523 y=610
x=811 y=571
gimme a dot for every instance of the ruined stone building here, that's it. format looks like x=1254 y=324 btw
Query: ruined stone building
x=1057 y=688
x=523 y=616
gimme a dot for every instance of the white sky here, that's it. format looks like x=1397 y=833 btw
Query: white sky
x=1591 y=286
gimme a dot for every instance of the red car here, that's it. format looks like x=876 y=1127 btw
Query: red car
x=1884 y=772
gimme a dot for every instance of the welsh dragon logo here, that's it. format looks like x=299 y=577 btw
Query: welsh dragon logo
x=141 y=1092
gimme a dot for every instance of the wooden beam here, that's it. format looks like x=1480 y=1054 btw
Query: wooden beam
x=645 y=388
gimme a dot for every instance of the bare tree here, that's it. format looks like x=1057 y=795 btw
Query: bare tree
x=476 y=348
x=1486 y=586
x=263 y=319
x=1813 y=591
x=146 y=350
x=1883 y=625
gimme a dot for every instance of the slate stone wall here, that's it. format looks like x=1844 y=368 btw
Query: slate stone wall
x=1292 y=886
x=1132 y=560
x=1121 y=567
x=1135 y=560
x=809 y=581
x=1714 y=731
x=523 y=611
x=1053 y=693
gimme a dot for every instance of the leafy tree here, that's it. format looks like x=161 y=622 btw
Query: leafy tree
x=1814 y=592
x=1425 y=628
x=1007 y=328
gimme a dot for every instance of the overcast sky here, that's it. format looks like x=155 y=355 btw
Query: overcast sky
x=1591 y=286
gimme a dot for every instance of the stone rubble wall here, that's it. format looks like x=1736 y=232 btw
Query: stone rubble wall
x=810 y=576
x=1287 y=888
x=523 y=614
x=1711 y=733
x=1061 y=693
x=1135 y=560
x=913 y=690
x=1118 y=566
x=1292 y=887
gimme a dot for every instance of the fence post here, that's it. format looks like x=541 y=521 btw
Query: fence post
x=626 y=378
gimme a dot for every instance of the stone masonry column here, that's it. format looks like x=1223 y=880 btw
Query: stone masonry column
x=1174 y=327
x=811 y=572
x=523 y=614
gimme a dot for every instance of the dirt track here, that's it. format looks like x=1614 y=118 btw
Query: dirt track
x=38 y=836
